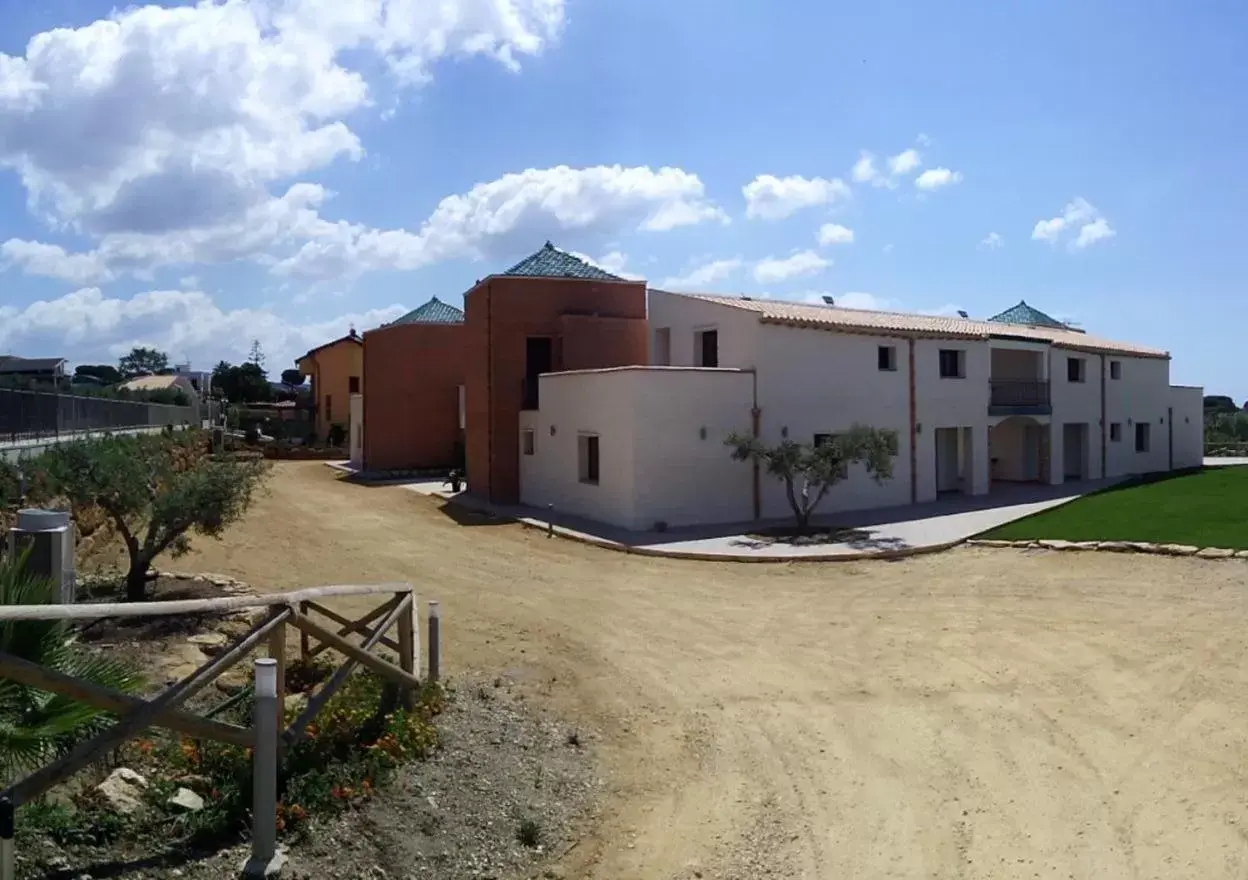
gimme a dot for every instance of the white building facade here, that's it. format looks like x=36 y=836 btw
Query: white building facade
x=975 y=405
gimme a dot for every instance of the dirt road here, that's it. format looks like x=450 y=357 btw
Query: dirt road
x=974 y=714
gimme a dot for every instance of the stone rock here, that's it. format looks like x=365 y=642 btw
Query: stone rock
x=211 y=643
x=193 y=781
x=1086 y=545
x=1025 y=544
x=182 y=660
x=1115 y=546
x=1055 y=544
x=1179 y=549
x=989 y=542
x=1215 y=553
x=186 y=800
x=1143 y=547
x=1241 y=554
x=123 y=789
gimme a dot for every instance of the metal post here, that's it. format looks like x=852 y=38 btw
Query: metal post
x=7 y=869
x=435 y=640
x=265 y=859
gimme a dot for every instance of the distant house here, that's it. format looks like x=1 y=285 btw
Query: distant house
x=162 y=383
x=337 y=372
x=23 y=371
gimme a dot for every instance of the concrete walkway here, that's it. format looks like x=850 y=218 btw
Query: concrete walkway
x=886 y=532
x=1225 y=462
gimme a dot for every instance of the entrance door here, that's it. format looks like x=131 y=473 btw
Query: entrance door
x=1074 y=450
x=946 y=459
x=1031 y=452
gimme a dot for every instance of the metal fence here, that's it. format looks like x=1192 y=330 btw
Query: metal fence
x=34 y=415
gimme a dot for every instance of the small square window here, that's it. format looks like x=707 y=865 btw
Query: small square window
x=353 y=384
x=952 y=363
x=526 y=441
x=887 y=357
x=706 y=348
x=1142 y=436
x=1115 y=369
x=587 y=458
x=1115 y=431
x=1075 y=369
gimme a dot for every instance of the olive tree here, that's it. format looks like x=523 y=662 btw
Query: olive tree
x=155 y=489
x=809 y=470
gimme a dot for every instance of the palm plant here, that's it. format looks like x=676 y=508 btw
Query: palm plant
x=35 y=725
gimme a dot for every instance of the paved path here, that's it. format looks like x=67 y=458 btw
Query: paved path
x=1225 y=462
x=911 y=528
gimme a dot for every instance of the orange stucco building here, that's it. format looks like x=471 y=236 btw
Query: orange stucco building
x=549 y=312
x=336 y=370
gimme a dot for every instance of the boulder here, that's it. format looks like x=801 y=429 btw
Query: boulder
x=186 y=800
x=211 y=643
x=1241 y=554
x=1086 y=545
x=1179 y=549
x=1115 y=546
x=1215 y=553
x=123 y=790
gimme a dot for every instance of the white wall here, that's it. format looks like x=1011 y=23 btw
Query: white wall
x=822 y=382
x=1189 y=425
x=594 y=401
x=1074 y=403
x=655 y=464
x=685 y=316
x=952 y=403
x=1141 y=394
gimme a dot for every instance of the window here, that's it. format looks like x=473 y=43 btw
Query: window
x=1115 y=369
x=329 y=407
x=824 y=439
x=952 y=363
x=353 y=385
x=1075 y=370
x=663 y=346
x=587 y=457
x=1115 y=431
x=887 y=357
x=706 y=348
x=1141 y=436
x=526 y=441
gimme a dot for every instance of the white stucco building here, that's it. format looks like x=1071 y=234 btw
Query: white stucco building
x=975 y=405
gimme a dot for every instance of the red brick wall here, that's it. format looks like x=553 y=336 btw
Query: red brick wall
x=593 y=324
x=411 y=398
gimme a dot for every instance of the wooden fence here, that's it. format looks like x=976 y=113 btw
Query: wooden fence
x=397 y=610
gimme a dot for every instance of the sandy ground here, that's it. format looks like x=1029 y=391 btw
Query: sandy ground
x=973 y=714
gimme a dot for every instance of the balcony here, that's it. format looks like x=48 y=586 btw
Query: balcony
x=528 y=393
x=1019 y=397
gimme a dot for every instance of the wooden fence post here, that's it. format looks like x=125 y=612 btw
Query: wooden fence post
x=304 y=647
x=408 y=658
x=435 y=640
x=277 y=651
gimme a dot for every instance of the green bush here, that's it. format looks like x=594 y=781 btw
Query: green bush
x=337 y=434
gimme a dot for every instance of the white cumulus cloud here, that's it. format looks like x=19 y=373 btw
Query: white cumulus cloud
x=992 y=241
x=835 y=233
x=935 y=178
x=797 y=265
x=773 y=198
x=904 y=162
x=703 y=275
x=1079 y=214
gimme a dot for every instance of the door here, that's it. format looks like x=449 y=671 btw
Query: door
x=1074 y=451
x=946 y=459
x=1031 y=452
x=538 y=359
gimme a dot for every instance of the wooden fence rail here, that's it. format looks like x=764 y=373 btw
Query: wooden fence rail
x=399 y=609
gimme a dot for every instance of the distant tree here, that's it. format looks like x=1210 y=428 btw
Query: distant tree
x=1219 y=403
x=244 y=383
x=105 y=374
x=156 y=489
x=809 y=470
x=292 y=378
x=256 y=356
x=141 y=361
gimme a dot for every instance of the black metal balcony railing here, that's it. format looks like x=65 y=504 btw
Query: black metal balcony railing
x=528 y=393
x=1019 y=392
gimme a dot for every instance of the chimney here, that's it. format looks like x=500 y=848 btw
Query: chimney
x=829 y=301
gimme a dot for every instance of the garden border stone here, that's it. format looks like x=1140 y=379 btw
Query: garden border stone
x=1112 y=547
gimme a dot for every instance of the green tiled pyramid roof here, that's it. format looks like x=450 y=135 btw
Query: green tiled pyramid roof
x=1025 y=314
x=550 y=262
x=433 y=312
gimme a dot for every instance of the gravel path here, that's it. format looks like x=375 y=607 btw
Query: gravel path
x=981 y=713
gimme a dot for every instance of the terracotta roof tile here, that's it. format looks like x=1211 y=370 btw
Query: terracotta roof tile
x=905 y=324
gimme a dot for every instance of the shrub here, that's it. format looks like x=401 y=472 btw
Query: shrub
x=337 y=434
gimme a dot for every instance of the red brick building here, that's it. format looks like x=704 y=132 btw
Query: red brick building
x=549 y=312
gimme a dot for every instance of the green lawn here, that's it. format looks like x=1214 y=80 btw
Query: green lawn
x=1207 y=508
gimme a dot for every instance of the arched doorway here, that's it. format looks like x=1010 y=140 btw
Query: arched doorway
x=1018 y=450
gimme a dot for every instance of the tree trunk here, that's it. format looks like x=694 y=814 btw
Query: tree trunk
x=136 y=579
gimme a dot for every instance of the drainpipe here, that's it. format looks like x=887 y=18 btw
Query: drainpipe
x=914 y=432
x=755 y=420
x=1104 y=426
x=489 y=395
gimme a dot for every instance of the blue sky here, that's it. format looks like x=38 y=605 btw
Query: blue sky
x=282 y=169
